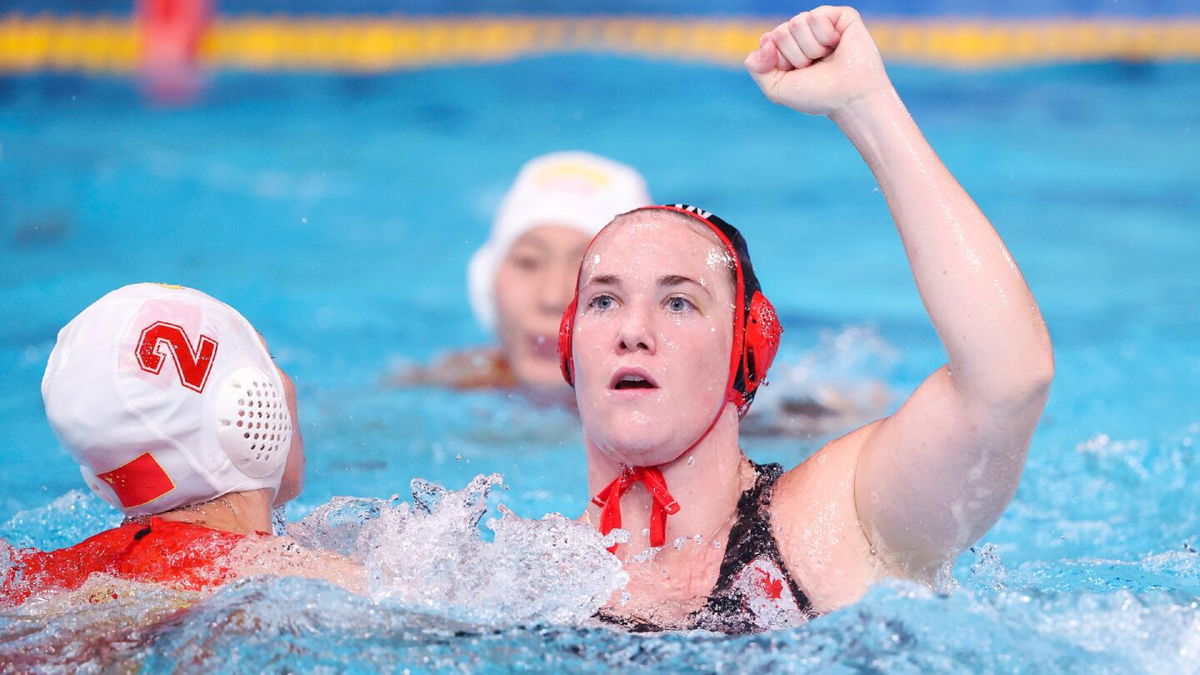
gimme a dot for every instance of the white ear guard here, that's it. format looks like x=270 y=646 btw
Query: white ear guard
x=253 y=424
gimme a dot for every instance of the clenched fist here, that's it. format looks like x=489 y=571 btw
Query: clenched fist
x=819 y=61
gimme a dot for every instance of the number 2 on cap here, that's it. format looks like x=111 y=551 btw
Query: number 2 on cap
x=193 y=365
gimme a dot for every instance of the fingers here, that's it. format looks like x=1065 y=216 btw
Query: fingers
x=823 y=29
x=803 y=33
x=764 y=59
x=806 y=37
x=791 y=54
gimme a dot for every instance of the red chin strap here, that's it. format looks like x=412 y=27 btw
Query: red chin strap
x=609 y=501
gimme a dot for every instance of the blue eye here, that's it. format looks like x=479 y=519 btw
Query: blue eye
x=678 y=304
x=602 y=302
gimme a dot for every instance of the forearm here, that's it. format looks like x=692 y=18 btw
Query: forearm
x=980 y=305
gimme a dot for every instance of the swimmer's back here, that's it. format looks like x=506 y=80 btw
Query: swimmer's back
x=183 y=556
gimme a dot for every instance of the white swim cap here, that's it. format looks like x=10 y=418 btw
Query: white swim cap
x=167 y=398
x=572 y=189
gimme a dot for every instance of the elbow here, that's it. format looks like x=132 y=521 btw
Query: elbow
x=1017 y=384
x=1029 y=383
x=1040 y=373
x=1041 y=367
x=1031 y=371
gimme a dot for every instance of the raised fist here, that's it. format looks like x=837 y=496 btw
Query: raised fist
x=818 y=61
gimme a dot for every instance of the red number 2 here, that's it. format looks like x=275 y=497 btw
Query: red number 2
x=193 y=365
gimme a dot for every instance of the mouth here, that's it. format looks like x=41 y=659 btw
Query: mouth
x=632 y=379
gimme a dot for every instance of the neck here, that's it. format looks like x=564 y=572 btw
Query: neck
x=706 y=481
x=238 y=512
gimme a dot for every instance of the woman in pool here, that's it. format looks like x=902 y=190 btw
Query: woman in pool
x=667 y=294
x=178 y=417
x=522 y=277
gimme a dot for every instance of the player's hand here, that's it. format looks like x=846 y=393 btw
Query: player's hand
x=818 y=62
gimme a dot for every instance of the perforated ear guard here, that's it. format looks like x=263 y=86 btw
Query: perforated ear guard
x=254 y=426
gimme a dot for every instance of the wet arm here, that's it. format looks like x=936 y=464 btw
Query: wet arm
x=935 y=476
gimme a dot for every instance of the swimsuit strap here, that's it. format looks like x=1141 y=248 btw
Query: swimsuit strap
x=751 y=538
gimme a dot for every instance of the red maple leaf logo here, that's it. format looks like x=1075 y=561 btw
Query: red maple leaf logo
x=772 y=587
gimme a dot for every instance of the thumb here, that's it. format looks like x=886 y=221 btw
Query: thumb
x=763 y=60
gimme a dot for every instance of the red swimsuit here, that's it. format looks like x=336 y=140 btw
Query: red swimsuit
x=183 y=556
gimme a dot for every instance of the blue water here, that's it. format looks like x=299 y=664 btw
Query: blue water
x=338 y=214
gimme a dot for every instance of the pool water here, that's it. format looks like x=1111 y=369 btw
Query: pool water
x=338 y=214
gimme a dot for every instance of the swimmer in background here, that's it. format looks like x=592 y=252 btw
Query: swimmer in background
x=178 y=417
x=669 y=336
x=522 y=277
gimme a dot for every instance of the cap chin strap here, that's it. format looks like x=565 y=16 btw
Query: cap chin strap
x=609 y=499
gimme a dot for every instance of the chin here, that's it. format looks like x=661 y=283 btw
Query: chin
x=634 y=439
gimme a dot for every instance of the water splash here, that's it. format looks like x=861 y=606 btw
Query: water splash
x=68 y=519
x=441 y=597
x=430 y=557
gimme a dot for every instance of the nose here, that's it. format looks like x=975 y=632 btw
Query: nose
x=635 y=334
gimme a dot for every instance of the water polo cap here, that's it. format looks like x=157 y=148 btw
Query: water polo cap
x=756 y=328
x=572 y=189
x=167 y=397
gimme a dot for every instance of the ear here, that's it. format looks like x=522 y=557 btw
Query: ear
x=565 y=328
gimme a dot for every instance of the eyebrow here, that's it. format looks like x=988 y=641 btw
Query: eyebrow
x=605 y=280
x=675 y=280
x=664 y=281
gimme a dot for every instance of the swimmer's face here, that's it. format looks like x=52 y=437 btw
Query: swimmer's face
x=533 y=286
x=653 y=334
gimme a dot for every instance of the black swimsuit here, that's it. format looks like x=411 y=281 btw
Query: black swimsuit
x=754 y=591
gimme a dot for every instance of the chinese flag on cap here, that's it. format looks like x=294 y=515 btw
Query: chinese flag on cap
x=140 y=481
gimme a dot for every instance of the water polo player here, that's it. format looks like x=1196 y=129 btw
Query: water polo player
x=669 y=336
x=178 y=417
x=523 y=276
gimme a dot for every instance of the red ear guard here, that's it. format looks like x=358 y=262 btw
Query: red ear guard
x=565 y=329
x=759 y=346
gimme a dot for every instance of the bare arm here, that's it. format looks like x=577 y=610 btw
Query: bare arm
x=933 y=477
x=284 y=557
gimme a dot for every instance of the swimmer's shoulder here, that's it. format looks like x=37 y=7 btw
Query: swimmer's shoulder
x=815 y=521
x=831 y=464
x=32 y=570
x=283 y=556
x=480 y=368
